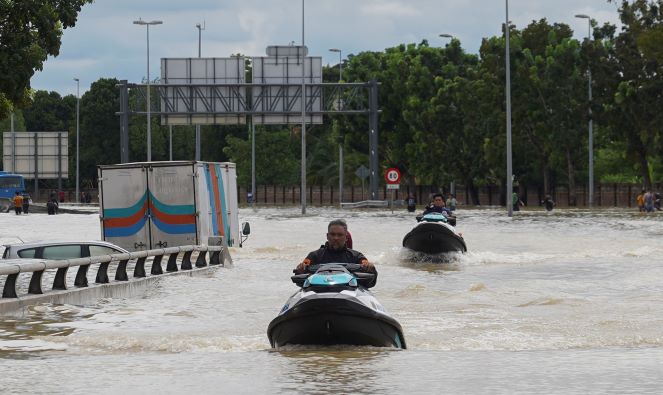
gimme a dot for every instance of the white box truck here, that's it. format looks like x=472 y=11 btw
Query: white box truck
x=148 y=205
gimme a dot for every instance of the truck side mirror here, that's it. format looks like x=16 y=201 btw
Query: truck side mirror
x=246 y=230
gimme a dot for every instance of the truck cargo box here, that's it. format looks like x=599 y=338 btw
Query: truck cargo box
x=147 y=205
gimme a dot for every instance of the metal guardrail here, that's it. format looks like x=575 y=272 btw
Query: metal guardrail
x=37 y=269
x=366 y=203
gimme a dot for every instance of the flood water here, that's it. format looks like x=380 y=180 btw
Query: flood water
x=568 y=302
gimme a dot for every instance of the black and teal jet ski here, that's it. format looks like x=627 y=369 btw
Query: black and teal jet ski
x=434 y=234
x=334 y=306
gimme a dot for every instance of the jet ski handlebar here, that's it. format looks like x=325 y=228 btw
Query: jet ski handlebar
x=312 y=269
x=364 y=279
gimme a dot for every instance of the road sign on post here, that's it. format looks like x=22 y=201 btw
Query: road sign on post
x=393 y=175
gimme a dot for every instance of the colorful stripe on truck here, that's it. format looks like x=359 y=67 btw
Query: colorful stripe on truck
x=123 y=222
x=171 y=219
x=216 y=193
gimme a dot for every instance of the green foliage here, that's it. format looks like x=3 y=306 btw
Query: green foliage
x=49 y=112
x=277 y=160
x=634 y=82
x=99 y=128
x=31 y=31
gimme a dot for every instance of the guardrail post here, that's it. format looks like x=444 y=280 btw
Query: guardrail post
x=9 y=291
x=186 y=260
x=121 y=272
x=200 y=261
x=60 y=281
x=81 y=276
x=156 y=265
x=214 y=258
x=102 y=273
x=139 y=270
x=171 y=266
x=35 y=283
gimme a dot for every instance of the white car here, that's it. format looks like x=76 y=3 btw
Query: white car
x=60 y=249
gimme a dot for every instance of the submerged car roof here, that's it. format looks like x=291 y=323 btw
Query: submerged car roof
x=44 y=243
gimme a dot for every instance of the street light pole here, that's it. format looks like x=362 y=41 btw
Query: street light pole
x=78 y=106
x=590 y=199
x=340 y=143
x=452 y=188
x=303 y=181
x=148 y=105
x=200 y=29
x=509 y=170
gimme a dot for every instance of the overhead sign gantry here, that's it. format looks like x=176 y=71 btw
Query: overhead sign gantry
x=215 y=91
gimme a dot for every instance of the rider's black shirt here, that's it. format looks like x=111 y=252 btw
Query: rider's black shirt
x=327 y=255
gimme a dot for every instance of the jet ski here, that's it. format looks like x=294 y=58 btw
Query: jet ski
x=334 y=306
x=434 y=235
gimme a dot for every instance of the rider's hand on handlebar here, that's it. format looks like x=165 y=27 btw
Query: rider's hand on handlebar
x=302 y=267
x=367 y=267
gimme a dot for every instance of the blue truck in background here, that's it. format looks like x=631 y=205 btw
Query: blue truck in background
x=10 y=184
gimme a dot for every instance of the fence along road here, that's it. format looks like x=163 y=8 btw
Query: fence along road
x=17 y=293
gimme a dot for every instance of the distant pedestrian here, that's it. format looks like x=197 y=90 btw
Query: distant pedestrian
x=52 y=205
x=18 y=203
x=88 y=197
x=452 y=202
x=657 y=201
x=61 y=196
x=640 y=200
x=548 y=203
x=517 y=203
x=26 y=203
x=411 y=203
x=649 y=201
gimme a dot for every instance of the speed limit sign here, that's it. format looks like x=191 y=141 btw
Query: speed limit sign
x=393 y=176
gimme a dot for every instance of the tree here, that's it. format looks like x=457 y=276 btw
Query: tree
x=31 y=30
x=634 y=111
x=276 y=156
x=49 y=112
x=99 y=128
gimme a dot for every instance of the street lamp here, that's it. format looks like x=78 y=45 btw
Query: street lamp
x=340 y=63
x=200 y=29
x=78 y=106
x=445 y=35
x=509 y=167
x=591 y=134
x=340 y=143
x=148 y=105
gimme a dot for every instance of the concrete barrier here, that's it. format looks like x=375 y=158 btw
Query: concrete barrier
x=17 y=294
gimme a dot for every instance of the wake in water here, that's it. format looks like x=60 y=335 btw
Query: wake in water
x=449 y=260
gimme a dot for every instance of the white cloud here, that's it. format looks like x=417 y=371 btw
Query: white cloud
x=389 y=9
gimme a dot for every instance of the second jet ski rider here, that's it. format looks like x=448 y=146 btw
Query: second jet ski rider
x=335 y=251
x=438 y=206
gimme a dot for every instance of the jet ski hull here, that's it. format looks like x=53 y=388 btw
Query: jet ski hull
x=433 y=238
x=329 y=318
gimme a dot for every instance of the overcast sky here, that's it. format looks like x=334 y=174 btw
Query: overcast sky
x=105 y=42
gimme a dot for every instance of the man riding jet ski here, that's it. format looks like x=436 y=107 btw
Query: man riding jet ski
x=333 y=305
x=435 y=232
x=439 y=206
x=335 y=250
